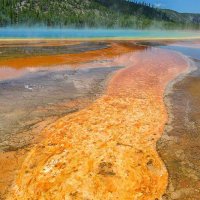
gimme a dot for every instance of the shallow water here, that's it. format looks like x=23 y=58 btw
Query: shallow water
x=43 y=93
x=193 y=53
x=109 y=145
x=38 y=94
x=92 y=33
x=32 y=98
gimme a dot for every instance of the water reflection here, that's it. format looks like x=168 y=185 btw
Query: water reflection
x=188 y=51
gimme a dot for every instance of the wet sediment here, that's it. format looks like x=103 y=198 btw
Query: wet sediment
x=179 y=147
x=30 y=103
x=108 y=150
x=42 y=95
x=33 y=99
x=67 y=55
x=21 y=50
x=127 y=152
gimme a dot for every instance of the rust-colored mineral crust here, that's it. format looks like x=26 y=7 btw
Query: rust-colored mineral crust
x=73 y=59
x=107 y=151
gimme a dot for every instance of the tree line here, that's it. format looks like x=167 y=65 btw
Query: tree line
x=90 y=13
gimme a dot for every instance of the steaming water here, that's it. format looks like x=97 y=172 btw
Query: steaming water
x=92 y=33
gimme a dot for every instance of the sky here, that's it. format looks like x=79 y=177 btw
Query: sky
x=189 y=6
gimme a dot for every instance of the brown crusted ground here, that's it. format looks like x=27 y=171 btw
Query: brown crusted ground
x=182 y=135
x=107 y=151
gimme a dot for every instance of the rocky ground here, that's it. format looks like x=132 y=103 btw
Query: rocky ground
x=179 y=145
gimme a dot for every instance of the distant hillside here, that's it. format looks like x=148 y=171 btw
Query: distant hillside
x=92 y=13
x=185 y=18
